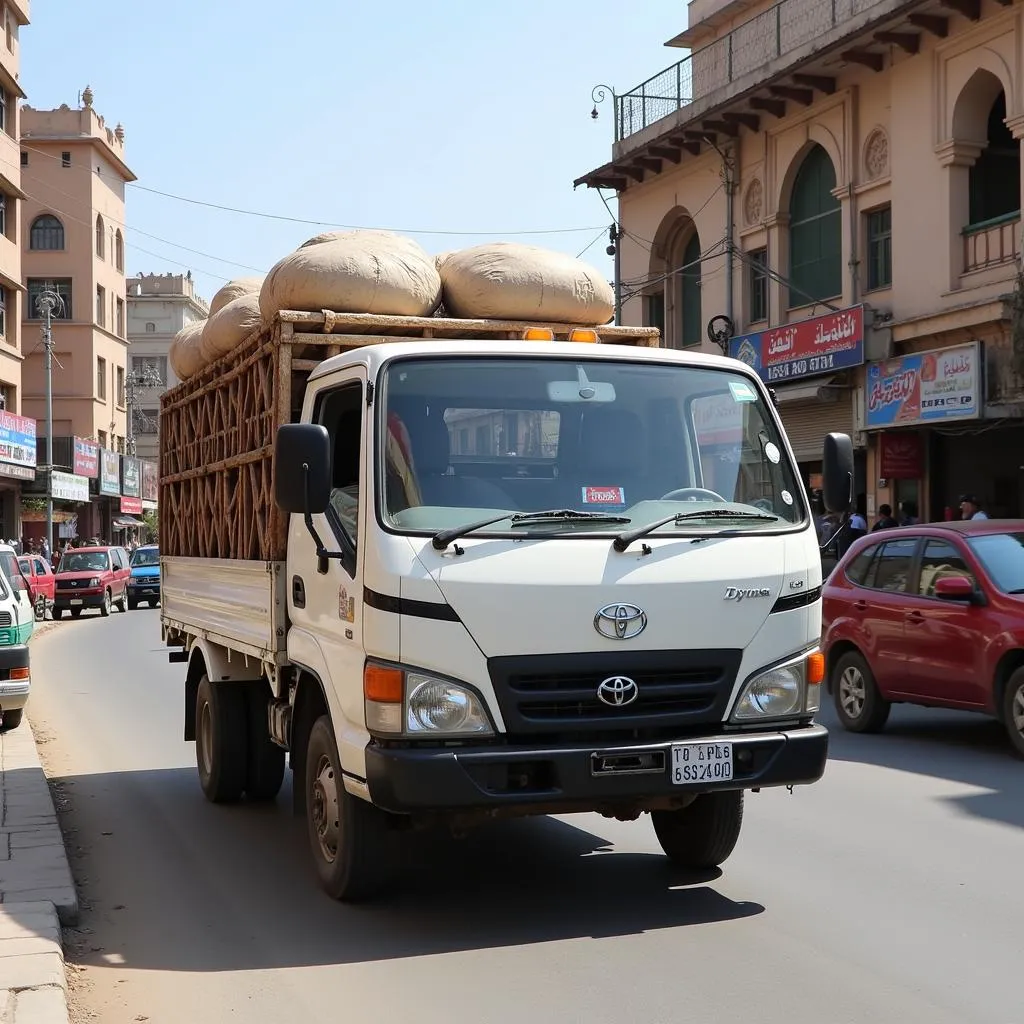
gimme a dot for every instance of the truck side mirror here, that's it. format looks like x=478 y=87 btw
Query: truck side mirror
x=837 y=472
x=302 y=468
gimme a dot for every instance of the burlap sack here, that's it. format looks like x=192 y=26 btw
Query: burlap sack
x=510 y=281
x=354 y=272
x=185 y=354
x=229 y=327
x=235 y=290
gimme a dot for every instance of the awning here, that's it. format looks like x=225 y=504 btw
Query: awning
x=823 y=387
x=127 y=523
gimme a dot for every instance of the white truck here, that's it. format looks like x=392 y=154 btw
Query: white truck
x=463 y=570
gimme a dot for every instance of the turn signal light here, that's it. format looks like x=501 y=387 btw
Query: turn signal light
x=538 y=334
x=584 y=334
x=19 y=673
x=382 y=684
x=815 y=668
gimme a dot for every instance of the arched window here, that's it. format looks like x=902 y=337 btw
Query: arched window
x=995 y=176
x=101 y=238
x=46 y=234
x=815 y=232
x=119 y=251
x=689 y=292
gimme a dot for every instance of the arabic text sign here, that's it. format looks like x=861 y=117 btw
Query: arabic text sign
x=110 y=472
x=131 y=476
x=87 y=458
x=69 y=486
x=808 y=348
x=17 y=440
x=150 y=481
x=925 y=387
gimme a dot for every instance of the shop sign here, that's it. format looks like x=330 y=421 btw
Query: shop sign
x=17 y=440
x=110 y=473
x=926 y=387
x=131 y=506
x=69 y=486
x=808 y=348
x=149 y=481
x=131 y=476
x=717 y=420
x=87 y=459
x=900 y=456
x=16 y=472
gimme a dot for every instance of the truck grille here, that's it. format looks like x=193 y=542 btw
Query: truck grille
x=5 y=619
x=556 y=696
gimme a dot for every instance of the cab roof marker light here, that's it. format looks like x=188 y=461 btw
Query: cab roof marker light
x=538 y=334
x=585 y=335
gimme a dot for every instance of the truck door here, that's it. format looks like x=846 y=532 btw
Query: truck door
x=325 y=609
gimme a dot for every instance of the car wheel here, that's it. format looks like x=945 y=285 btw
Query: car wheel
x=12 y=719
x=859 y=703
x=58 y=614
x=1013 y=711
x=105 y=607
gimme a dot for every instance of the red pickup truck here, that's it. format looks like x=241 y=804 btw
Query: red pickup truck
x=92 y=578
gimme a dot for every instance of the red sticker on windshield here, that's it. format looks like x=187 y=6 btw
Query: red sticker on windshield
x=604 y=495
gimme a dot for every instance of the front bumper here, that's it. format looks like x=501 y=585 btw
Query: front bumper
x=144 y=589
x=416 y=779
x=78 y=599
x=13 y=692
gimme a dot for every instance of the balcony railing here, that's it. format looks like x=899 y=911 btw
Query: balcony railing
x=780 y=30
x=991 y=243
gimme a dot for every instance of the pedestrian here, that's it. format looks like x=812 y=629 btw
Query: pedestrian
x=885 y=519
x=908 y=513
x=970 y=507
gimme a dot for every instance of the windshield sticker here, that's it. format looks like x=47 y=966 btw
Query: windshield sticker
x=771 y=452
x=742 y=391
x=787 y=497
x=604 y=495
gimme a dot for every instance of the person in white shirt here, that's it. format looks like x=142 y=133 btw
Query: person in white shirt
x=970 y=507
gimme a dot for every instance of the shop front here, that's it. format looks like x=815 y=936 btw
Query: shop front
x=928 y=444
x=813 y=366
x=108 y=494
x=17 y=465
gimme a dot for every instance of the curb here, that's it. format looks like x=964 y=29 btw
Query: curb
x=37 y=889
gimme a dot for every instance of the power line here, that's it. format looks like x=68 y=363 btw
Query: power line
x=597 y=238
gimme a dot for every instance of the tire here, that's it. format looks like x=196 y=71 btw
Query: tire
x=859 y=704
x=264 y=771
x=152 y=604
x=105 y=607
x=58 y=614
x=1013 y=711
x=40 y=608
x=704 y=834
x=349 y=839
x=132 y=604
x=122 y=602
x=220 y=740
x=12 y=719
x=76 y=613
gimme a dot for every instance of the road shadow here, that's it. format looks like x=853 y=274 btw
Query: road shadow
x=953 y=745
x=169 y=882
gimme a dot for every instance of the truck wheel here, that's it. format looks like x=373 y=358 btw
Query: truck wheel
x=58 y=614
x=122 y=603
x=132 y=603
x=1013 y=711
x=860 y=705
x=264 y=773
x=220 y=740
x=40 y=608
x=349 y=838
x=12 y=719
x=704 y=834
x=76 y=613
x=105 y=607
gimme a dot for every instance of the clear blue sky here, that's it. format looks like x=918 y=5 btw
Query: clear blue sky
x=461 y=115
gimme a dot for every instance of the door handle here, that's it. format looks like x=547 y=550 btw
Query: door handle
x=861 y=606
x=915 y=617
x=298 y=592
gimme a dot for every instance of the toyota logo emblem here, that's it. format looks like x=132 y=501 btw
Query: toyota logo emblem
x=618 y=691
x=620 y=621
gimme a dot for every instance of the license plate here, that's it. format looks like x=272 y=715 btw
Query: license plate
x=696 y=763
x=76 y=600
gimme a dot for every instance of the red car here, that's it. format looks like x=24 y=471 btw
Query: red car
x=930 y=615
x=41 y=585
x=92 y=578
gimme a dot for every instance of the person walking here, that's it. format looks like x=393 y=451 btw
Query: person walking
x=885 y=519
x=970 y=507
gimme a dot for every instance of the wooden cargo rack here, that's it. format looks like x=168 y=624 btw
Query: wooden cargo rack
x=217 y=429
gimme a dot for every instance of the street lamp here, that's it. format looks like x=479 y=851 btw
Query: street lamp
x=599 y=94
x=48 y=304
x=146 y=377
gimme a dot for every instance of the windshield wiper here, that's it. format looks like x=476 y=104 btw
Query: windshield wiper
x=625 y=539
x=443 y=538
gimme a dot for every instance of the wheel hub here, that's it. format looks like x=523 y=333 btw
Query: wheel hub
x=852 y=692
x=1017 y=710
x=325 y=809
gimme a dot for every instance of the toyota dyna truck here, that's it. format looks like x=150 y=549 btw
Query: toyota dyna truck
x=464 y=570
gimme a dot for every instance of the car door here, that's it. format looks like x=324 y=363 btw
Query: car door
x=945 y=640
x=44 y=578
x=880 y=603
x=121 y=571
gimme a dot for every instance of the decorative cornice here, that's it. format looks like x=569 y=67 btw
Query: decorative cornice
x=959 y=152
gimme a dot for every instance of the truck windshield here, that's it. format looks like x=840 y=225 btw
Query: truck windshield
x=467 y=438
x=145 y=556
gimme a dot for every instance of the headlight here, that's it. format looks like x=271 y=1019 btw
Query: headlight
x=792 y=688
x=411 y=703
x=94 y=582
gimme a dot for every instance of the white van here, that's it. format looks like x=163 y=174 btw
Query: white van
x=17 y=620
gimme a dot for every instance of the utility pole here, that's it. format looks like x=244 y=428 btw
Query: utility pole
x=147 y=377
x=48 y=303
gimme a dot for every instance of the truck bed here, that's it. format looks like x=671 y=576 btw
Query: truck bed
x=241 y=604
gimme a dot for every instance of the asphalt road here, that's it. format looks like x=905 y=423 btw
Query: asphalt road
x=889 y=892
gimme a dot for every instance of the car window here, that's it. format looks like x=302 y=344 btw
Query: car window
x=941 y=560
x=40 y=566
x=24 y=566
x=857 y=570
x=1002 y=556
x=85 y=561
x=891 y=570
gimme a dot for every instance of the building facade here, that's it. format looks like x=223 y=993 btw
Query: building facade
x=831 y=190
x=73 y=245
x=159 y=305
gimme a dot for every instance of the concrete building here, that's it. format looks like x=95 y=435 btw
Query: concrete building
x=73 y=238
x=17 y=434
x=841 y=180
x=159 y=305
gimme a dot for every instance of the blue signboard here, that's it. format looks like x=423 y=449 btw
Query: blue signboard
x=17 y=440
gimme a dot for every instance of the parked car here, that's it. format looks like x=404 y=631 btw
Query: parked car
x=92 y=578
x=144 y=584
x=930 y=615
x=37 y=573
x=17 y=620
x=9 y=564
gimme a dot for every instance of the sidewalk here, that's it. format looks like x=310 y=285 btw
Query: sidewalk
x=37 y=892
